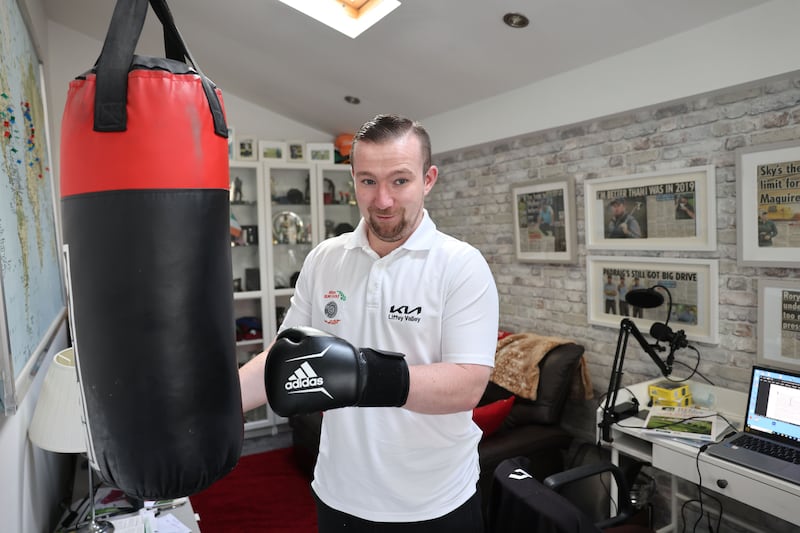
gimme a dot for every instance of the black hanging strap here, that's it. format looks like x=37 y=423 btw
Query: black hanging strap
x=114 y=63
x=116 y=58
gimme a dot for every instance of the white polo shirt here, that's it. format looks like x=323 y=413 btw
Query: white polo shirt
x=432 y=299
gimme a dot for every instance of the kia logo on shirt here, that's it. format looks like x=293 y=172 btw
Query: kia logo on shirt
x=405 y=313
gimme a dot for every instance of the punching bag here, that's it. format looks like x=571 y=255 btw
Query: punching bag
x=145 y=217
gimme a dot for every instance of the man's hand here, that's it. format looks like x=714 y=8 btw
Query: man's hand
x=308 y=370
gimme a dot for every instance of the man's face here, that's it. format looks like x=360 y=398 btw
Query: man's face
x=390 y=189
x=617 y=208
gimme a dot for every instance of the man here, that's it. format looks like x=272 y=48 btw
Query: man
x=622 y=225
x=546 y=224
x=622 y=290
x=683 y=209
x=401 y=286
x=610 y=293
x=637 y=311
x=767 y=229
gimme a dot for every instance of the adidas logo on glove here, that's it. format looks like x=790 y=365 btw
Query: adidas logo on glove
x=355 y=376
x=305 y=379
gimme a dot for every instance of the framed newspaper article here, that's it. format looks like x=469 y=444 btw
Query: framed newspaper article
x=692 y=284
x=674 y=210
x=544 y=221
x=768 y=205
x=779 y=323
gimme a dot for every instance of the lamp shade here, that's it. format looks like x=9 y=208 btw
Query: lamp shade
x=57 y=423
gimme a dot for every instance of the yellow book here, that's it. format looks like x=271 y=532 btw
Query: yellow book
x=686 y=401
x=668 y=390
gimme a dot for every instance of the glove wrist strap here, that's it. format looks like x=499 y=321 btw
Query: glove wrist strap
x=387 y=379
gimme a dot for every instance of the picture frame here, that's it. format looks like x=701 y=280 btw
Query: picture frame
x=767 y=220
x=692 y=284
x=779 y=323
x=667 y=210
x=545 y=221
x=296 y=151
x=246 y=148
x=272 y=150
x=320 y=152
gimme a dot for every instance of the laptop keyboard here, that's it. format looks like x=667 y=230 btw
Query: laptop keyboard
x=785 y=453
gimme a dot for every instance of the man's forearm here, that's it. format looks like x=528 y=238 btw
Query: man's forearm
x=251 y=380
x=441 y=388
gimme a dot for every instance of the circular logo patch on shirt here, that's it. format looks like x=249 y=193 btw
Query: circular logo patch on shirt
x=331 y=309
x=332 y=299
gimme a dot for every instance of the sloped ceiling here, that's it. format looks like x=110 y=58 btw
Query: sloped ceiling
x=425 y=58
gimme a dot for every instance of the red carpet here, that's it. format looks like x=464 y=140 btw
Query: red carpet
x=264 y=493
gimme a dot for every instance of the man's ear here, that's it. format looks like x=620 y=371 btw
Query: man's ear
x=430 y=178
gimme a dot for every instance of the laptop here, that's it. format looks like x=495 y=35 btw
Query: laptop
x=770 y=439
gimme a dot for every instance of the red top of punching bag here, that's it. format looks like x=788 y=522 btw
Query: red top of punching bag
x=169 y=142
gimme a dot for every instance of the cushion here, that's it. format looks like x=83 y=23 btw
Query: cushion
x=490 y=417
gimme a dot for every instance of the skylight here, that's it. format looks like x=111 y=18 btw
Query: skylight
x=350 y=17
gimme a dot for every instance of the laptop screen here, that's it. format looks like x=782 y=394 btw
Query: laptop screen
x=773 y=406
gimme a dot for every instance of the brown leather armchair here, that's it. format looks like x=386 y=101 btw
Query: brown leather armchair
x=530 y=430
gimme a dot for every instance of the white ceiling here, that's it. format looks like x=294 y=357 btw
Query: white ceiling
x=425 y=58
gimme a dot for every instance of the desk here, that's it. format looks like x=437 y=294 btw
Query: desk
x=774 y=496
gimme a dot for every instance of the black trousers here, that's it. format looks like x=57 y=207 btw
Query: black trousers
x=465 y=519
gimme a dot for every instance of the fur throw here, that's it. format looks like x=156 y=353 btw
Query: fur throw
x=516 y=364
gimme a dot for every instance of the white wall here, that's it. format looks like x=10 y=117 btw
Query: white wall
x=754 y=44
x=33 y=480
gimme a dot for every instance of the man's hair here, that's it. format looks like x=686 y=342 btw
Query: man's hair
x=383 y=128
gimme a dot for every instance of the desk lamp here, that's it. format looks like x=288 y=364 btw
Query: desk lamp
x=647 y=299
x=57 y=423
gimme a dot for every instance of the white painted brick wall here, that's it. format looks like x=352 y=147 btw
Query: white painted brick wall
x=472 y=201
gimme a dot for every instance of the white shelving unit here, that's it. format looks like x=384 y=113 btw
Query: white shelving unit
x=284 y=209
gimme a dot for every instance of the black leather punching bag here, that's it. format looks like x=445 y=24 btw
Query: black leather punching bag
x=145 y=214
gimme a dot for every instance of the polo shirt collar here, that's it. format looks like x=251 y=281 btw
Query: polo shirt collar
x=421 y=239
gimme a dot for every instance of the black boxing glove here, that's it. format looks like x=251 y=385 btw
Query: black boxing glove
x=308 y=370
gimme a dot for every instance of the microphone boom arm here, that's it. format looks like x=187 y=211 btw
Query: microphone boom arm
x=610 y=413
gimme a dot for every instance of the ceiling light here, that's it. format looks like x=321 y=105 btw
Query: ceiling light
x=515 y=20
x=355 y=100
x=350 y=17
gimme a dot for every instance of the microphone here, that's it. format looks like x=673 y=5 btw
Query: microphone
x=662 y=332
x=676 y=339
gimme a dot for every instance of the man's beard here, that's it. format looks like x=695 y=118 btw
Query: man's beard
x=388 y=233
